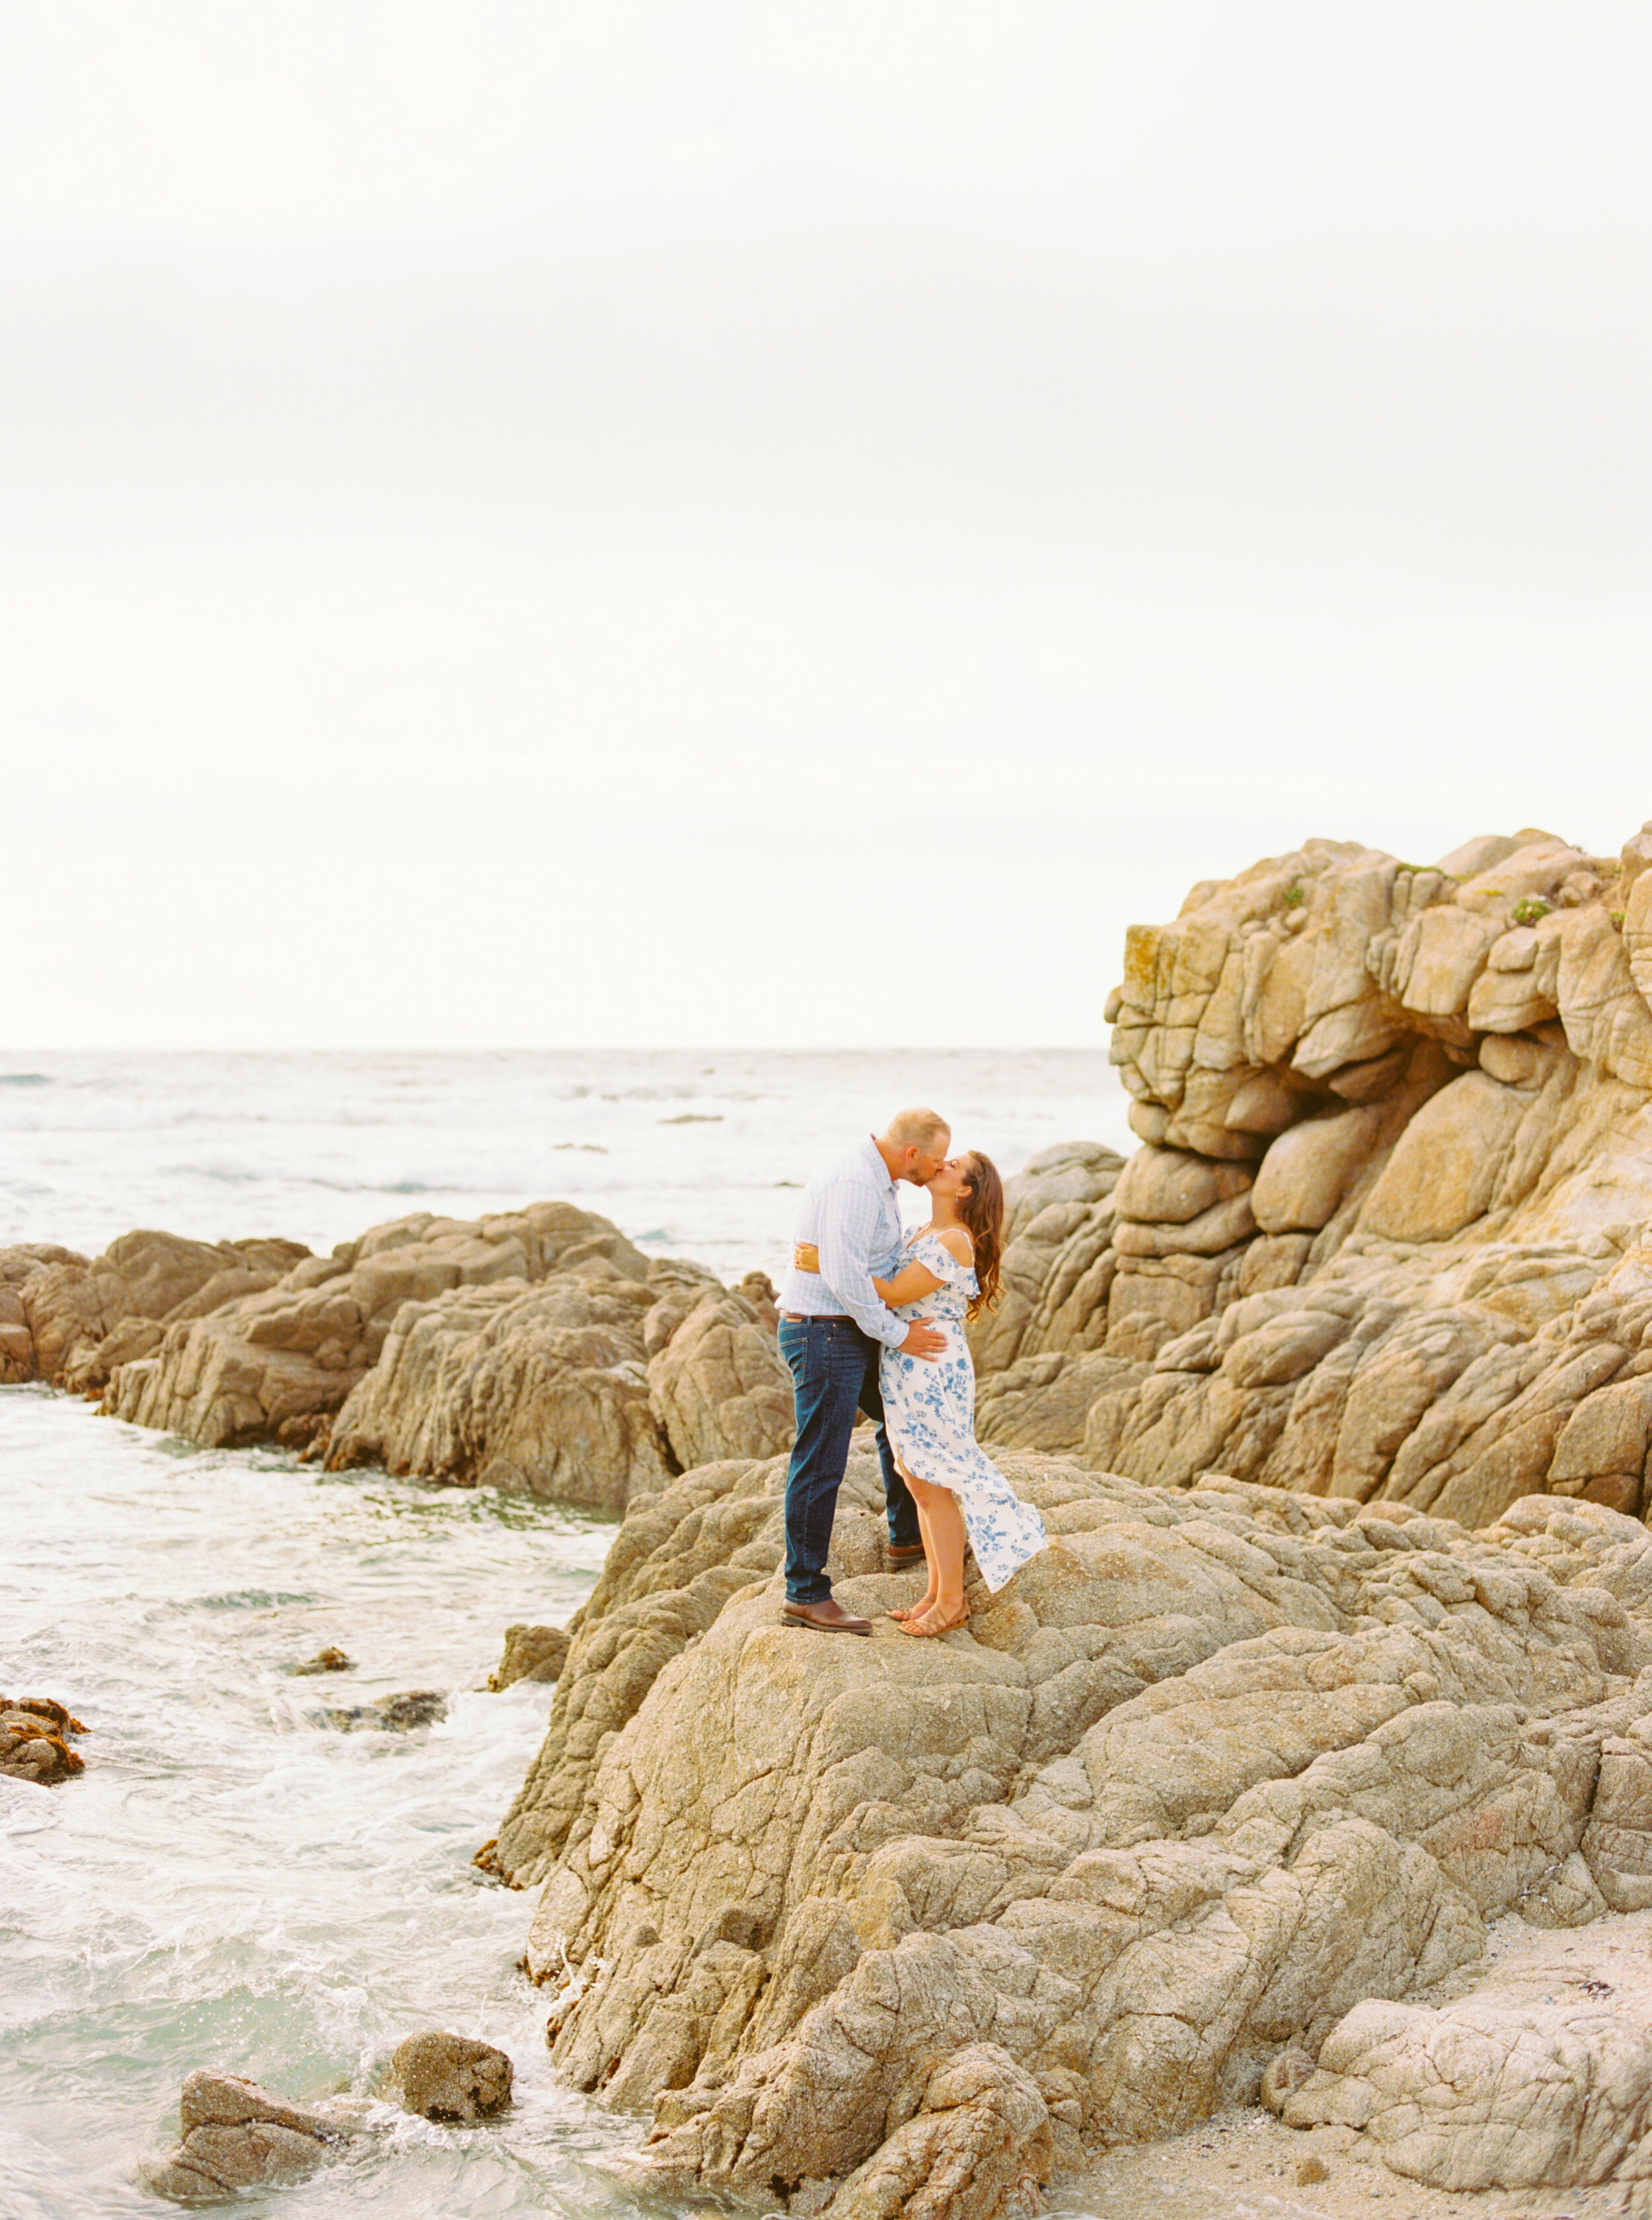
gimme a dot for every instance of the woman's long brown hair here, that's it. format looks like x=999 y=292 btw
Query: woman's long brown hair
x=983 y=1212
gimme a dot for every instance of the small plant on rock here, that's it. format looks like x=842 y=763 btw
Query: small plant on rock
x=1530 y=908
x=1295 y=897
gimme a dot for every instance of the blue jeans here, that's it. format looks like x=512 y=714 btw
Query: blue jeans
x=834 y=1373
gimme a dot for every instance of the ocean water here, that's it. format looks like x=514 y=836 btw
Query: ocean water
x=691 y=1152
x=234 y=1881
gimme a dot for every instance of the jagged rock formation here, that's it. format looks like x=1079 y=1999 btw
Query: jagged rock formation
x=71 y=1320
x=534 y=1352
x=1384 y=1237
x=1219 y=1766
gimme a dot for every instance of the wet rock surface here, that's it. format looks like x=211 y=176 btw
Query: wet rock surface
x=451 y=2077
x=35 y=1734
x=398 y=1714
x=236 y=2135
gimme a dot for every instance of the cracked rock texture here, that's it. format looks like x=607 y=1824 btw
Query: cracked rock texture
x=1384 y=1237
x=1219 y=1766
x=1494 y=2093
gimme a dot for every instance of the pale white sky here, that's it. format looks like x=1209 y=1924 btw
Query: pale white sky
x=524 y=523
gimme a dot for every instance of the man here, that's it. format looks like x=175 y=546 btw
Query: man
x=834 y=1327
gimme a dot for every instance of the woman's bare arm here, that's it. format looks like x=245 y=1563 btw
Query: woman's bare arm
x=911 y=1282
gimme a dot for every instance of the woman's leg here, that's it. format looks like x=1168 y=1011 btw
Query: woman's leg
x=945 y=1537
x=930 y=1592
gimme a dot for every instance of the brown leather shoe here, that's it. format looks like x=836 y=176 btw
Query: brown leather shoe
x=828 y=1618
x=904 y=1552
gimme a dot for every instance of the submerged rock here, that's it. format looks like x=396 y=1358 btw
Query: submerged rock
x=400 y=1714
x=532 y=1653
x=330 y=1660
x=238 y=2136
x=451 y=2077
x=34 y=1732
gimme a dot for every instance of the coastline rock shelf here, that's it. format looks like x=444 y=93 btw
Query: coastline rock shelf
x=1221 y=1766
x=1337 y=1399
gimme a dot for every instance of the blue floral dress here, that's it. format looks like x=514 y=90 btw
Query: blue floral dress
x=929 y=1406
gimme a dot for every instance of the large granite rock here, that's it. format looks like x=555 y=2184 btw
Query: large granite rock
x=1386 y=1235
x=538 y=1390
x=720 y=1384
x=1219 y=1765
x=277 y=1363
x=71 y=1319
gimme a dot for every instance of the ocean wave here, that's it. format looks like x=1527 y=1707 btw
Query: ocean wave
x=25 y=1079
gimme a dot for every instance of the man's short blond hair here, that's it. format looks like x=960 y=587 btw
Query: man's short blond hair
x=916 y=1129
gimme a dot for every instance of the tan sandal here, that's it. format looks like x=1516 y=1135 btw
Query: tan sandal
x=922 y=1632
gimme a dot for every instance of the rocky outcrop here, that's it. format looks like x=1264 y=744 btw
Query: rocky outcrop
x=236 y=2135
x=539 y=1390
x=451 y=2077
x=1221 y=1765
x=35 y=1732
x=536 y=1352
x=277 y=1363
x=71 y=1320
x=531 y=1653
x=720 y=1385
x=1385 y=1237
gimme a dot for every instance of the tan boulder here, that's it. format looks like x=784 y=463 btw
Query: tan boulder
x=451 y=2077
x=238 y=2135
x=720 y=1386
x=1445 y=1166
x=1307 y=1171
x=1499 y=2091
x=536 y=1390
x=1168 y=1187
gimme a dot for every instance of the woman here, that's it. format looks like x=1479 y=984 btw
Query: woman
x=929 y=1405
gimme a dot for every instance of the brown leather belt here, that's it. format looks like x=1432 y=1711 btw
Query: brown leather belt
x=817 y=1318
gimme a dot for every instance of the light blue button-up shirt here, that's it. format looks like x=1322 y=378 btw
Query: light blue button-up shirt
x=850 y=1212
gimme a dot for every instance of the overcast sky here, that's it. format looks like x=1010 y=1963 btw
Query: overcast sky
x=672 y=521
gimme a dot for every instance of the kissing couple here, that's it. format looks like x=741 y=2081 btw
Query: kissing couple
x=872 y=1319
